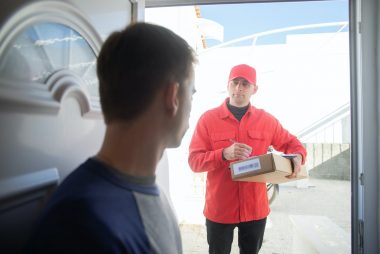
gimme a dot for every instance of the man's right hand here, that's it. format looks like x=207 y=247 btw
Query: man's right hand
x=237 y=151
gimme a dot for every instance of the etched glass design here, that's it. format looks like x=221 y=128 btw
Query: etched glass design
x=44 y=48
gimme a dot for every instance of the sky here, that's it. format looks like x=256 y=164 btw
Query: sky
x=244 y=19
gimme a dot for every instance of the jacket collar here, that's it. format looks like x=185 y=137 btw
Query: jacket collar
x=226 y=113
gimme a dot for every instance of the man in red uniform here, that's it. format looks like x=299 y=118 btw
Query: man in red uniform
x=233 y=131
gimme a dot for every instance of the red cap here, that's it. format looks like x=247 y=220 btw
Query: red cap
x=243 y=71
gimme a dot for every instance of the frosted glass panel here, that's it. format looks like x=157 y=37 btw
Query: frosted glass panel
x=43 y=48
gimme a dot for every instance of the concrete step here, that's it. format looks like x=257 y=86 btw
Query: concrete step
x=328 y=160
x=318 y=235
x=336 y=168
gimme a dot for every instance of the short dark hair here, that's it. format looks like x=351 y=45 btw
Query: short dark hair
x=135 y=63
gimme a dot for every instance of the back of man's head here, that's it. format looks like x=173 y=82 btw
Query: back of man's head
x=135 y=63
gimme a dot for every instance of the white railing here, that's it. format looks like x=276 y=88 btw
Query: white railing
x=254 y=37
x=333 y=123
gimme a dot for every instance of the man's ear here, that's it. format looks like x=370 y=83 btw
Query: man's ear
x=255 y=88
x=171 y=98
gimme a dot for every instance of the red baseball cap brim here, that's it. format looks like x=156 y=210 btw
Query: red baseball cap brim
x=243 y=71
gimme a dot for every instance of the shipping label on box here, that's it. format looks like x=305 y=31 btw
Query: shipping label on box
x=246 y=166
x=269 y=168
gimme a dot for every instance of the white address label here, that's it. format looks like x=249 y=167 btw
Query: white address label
x=246 y=166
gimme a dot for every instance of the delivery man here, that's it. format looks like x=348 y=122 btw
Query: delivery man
x=233 y=131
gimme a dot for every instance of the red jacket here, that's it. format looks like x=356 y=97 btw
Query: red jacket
x=230 y=201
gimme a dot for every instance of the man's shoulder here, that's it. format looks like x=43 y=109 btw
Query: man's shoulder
x=259 y=112
x=213 y=112
x=84 y=183
x=82 y=173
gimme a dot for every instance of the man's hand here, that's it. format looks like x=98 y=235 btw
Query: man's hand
x=297 y=161
x=237 y=151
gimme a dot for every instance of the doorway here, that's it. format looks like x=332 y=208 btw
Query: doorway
x=303 y=69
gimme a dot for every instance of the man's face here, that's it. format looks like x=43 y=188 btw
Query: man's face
x=240 y=91
x=185 y=95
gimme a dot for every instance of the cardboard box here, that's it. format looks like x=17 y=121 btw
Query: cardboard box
x=268 y=168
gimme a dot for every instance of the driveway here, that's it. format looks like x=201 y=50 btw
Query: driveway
x=320 y=198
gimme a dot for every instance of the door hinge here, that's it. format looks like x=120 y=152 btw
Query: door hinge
x=361 y=179
x=361 y=236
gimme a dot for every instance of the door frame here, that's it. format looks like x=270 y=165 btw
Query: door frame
x=364 y=89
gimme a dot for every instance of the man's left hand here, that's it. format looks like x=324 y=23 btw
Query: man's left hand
x=297 y=161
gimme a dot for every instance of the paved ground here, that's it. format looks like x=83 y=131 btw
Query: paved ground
x=328 y=198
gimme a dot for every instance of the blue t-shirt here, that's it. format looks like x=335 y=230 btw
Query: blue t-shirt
x=96 y=209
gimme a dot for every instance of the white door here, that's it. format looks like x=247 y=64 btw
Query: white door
x=49 y=105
